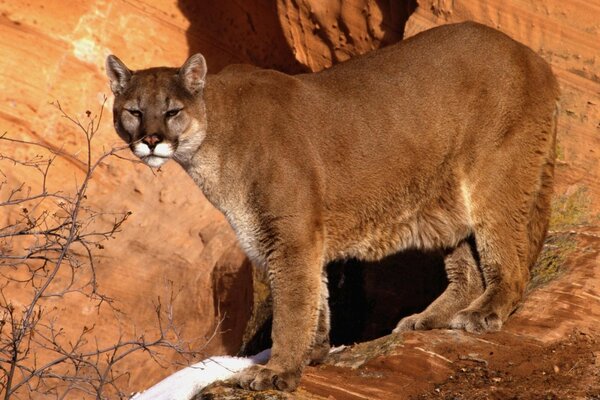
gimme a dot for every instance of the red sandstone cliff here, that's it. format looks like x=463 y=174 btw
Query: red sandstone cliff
x=52 y=50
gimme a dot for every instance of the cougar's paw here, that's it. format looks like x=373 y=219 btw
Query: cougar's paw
x=476 y=321
x=259 y=377
x=417 y=322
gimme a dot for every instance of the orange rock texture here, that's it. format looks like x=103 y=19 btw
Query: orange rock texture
x=174 y=239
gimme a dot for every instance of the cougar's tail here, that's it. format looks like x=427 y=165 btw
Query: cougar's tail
x=541 y=207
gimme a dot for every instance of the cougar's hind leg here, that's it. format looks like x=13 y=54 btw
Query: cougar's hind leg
x=500 y=224
x=465 y=285
x=510 y=216
x=505 y=272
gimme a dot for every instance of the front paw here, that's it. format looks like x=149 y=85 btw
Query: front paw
x=259 y=377
x=476 y=321
x=410 y=323
x=420 y=322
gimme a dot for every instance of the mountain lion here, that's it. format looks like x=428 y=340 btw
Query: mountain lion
x=444 y=140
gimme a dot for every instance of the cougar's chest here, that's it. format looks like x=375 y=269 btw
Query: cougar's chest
x=247 y=230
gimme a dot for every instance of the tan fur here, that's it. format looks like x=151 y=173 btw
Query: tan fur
x=445 y=140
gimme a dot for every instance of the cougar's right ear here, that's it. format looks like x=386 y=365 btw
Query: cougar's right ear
x=118 y=74
x=193 y=73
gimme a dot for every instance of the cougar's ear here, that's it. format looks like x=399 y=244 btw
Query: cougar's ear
x=118 y=74
x=193 y=73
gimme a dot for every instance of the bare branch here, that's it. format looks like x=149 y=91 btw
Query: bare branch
x=51 y=234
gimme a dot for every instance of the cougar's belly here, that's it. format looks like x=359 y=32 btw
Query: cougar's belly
x=440 y=223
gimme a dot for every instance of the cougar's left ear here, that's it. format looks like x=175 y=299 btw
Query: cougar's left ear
x=118 y=74
x=193 y=73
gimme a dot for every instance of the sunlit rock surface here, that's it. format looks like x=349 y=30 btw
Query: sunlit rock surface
x=176 y=242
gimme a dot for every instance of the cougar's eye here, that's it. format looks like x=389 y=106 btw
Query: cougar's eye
x=135 y=113
x=172 y=113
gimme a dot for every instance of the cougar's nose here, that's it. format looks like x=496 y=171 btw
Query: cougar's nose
x=152 y=140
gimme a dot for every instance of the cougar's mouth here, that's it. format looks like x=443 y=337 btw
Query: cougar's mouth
x=154 y=161
x=156 y=156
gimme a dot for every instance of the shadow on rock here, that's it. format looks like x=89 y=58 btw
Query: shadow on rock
x=233 y=32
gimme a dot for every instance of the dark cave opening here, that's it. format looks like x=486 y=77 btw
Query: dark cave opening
x=367 y=299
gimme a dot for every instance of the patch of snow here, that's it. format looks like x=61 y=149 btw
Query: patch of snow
x=186 y=383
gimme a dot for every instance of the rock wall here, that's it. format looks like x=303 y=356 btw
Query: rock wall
x=323 y=33
x=174 y=238
x=174 y=241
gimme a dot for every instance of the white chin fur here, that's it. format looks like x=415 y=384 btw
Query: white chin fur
x=163 y=150
x=141 y=150
x=156 y=157
x=154 y=161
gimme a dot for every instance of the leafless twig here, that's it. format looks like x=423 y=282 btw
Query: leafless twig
x=49 y=235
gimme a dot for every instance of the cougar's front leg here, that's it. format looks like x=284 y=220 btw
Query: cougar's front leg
x=295 y=269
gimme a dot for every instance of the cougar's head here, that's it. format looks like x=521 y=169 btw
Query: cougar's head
x=159 y=112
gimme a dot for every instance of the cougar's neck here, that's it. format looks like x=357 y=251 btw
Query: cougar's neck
x=211 y=166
